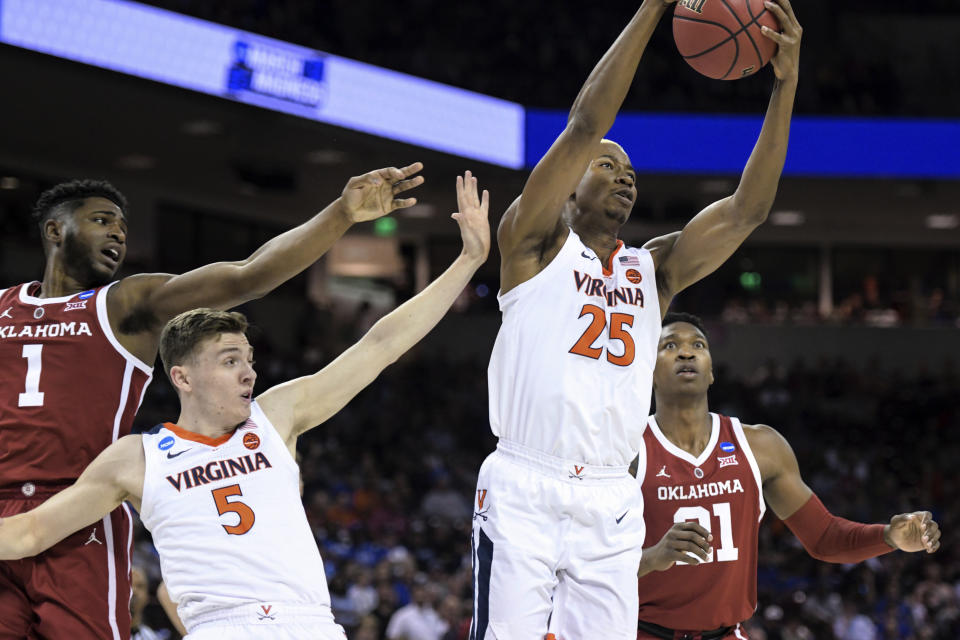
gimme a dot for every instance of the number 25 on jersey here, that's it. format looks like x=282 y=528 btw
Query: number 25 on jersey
x=617 y=330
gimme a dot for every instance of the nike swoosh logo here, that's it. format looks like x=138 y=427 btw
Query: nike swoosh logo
x=587 y=256
x=623 y=516
x=171 y=455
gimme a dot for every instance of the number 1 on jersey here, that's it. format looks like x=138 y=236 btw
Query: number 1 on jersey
x=32 y=397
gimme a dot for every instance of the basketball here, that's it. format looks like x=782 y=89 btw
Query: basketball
x=721 y=38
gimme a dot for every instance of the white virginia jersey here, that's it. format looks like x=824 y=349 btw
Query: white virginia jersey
x=572 y=368
x=227 y=520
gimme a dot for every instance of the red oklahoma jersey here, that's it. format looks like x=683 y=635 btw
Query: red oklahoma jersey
x=722 y=491
x=68 y=389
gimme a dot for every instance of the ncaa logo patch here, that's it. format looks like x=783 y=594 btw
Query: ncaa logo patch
x=251 y=441
x=86 y=294
x=727 y=447
x=166 y=443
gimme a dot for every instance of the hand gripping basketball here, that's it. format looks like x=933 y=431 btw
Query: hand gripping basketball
x=723 y=39
x=786 y=63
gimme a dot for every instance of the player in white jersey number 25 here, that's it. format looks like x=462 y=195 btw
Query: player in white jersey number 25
x=219 y=489
x=558 y=516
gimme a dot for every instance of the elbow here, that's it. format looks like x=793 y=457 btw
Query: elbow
x=756 y=217
x=16 y=545
x=817 y=554
x=30 y=546
x=751 y=215
x=379 y=342
x=246 y=284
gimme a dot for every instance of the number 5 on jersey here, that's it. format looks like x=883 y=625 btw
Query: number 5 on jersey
x=618 y=322
x=225 y=506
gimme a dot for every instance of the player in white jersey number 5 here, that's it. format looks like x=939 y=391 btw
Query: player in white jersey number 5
x=219 y=490
x=558 y=517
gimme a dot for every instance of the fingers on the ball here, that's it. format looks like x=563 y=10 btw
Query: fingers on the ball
x=789 y=9
x=788 y=21
x=772 y=35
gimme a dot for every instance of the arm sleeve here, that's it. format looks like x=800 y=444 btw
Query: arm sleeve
x=832 y=539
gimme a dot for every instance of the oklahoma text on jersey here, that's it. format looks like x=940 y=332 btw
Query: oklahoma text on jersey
x=708 y=489
x=49 y=330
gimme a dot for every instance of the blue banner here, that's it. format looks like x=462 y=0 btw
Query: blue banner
x=819 y=146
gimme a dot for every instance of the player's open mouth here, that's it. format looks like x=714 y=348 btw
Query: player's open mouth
x=113 y=254
x=624 y=196
x=687 y=372
x=247 y=396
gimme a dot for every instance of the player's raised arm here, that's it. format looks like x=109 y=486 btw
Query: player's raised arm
x=144 y=302
x=711 y=237
x=298 y=405
x=114 y=476
x=826 y=536
x=533 y=220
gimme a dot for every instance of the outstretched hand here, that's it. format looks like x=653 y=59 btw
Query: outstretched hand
x=915 y=531
x=786 y=62
x=686 y=542
x=472 y=217
x=374 y=195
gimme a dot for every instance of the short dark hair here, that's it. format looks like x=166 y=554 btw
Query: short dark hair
x=72 y=194
x=689 y=318
x=180 y=336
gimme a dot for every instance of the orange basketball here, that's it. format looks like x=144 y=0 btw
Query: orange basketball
x=721 y=38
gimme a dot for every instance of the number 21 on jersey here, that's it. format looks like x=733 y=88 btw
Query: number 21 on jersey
x=726 y=552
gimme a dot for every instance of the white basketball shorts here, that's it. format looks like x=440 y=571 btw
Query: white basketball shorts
x=556 y=548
